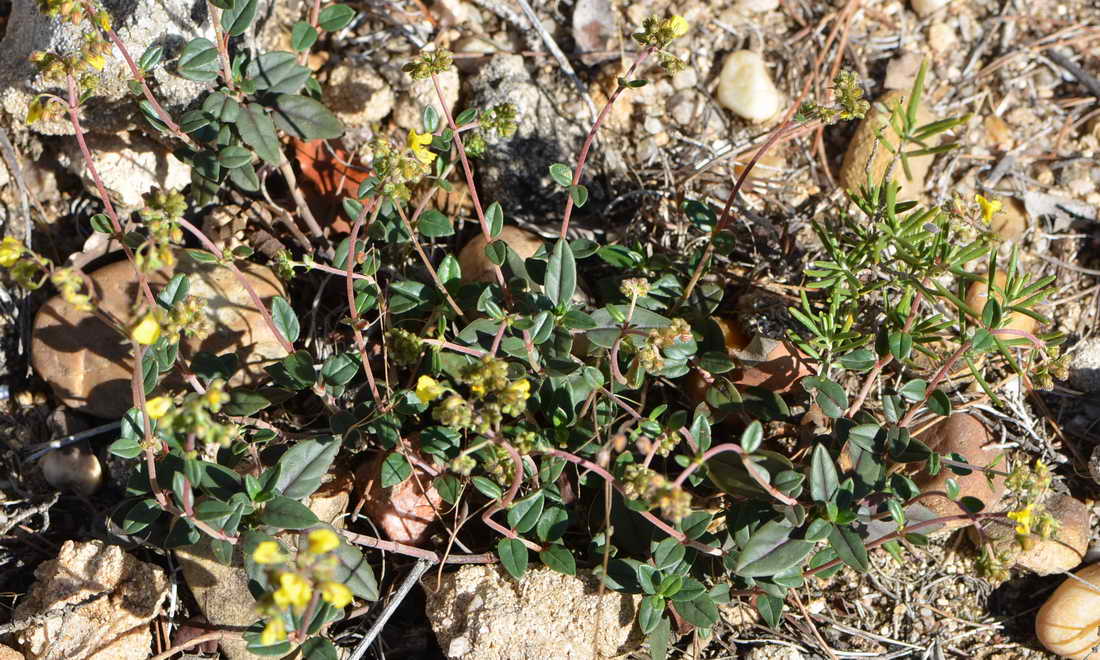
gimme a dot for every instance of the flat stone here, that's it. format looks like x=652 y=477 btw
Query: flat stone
x=88 y=364
x=221 y=592
x=404 y=512
x=358 y=94
x=1062 y=552
x=119 y=596
x=476 y=267
x=128 y=165
x=482 y=613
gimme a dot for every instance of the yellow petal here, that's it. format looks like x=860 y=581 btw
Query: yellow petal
x=147 y=330
x=268 y=552
x=274 y=632
x=678 y=25
x=157 y=407
x=322 y=541
x=336 y=594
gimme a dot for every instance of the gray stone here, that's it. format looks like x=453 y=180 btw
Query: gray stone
x=514 y=170
x=1084 y=367
x=169 y=23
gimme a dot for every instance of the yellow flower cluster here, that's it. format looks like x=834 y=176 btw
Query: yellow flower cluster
x=71 y=286
x=301 y=582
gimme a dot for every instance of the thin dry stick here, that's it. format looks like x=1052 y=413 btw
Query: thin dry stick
x=194 y=641
x=420 y=553
x=552 y=46
x=398 y=597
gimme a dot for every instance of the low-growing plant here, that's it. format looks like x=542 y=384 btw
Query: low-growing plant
x=556 y=412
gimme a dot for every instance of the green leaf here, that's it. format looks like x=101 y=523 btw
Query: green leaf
x=513 y=556
x=561 y=174
x=339 y=369
x=236 y=19
x=701 y=214
x=770 y=550
x=278 y=72
x=830 y=396
x=494 y=217
x=858 y=360
x=258 y=132
x=849 y=547
x=496 y=252
x=221 y=107
x=198 y=61
x=823 y=476
x=449 y=488
x=234 y=156
x=353 y=569
x=487 y=487
x=939 y=403
x=434 y=224
x=658 y=639
x=914 y=390
x=335 y=17
x=285 y=513
x=561 y=274
x=558 y=558
x=525 y=513
x=579 y=194
x=305 y=118
x=901 y=345
x=174 y=292
x=294 y=372
x=700 y=612
x=151 y=57
x=770 y=609
x=318 y=648
x=102 y=224
x=140 y=516
x=752 y=436
x=286 y=321
x=650 y=611
x=395 y=469
x=302 y=36
x=303 y=467
x=553 y=524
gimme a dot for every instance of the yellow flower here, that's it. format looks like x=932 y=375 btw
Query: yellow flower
x=274 y=632
x=147 y=330
x=428 y=389
x=418 y=143
x=157 y=407
x=1023 y=519
x=990 y=208
x=335 y=594
x=96 y=61
x=268 y=552
x=678 y=26
x=322 y=541
x=521 y=387
x=10 y=251
x=293 y=590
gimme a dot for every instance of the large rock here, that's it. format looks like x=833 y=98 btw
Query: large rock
x=129 y=165
x=221 y=592
x=853 y=171
x=481 y=613
x=1063 y=551
x=169 y=23
x=1068 y=624
x=117 y=594
x=963 y=434
x=88 y=364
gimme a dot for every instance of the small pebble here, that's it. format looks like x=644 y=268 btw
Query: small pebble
x=926 y=7
x=746 y=88
x=1084 y=366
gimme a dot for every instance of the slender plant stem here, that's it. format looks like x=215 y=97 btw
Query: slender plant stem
x=934 y=383
x=428 y=264
x=349 y=267
x=420 y=553
x=582 y=158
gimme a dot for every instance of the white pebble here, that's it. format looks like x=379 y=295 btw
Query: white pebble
x=756 y=6
x=745 y=88
x=926 y=7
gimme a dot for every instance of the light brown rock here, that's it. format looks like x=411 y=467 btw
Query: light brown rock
x=74 y=468
x=476 y=267
x=8 y=653
x=330 y=501
x=122 y=594
x=853 y=172
x=1011 y=223
x=358 y=95
x=482 y=613
x=745 y=87
x=978 y=294
x=221 y=592
x=410 y=102
x=966 y=435
x=404 y=512
x=88 y=364
x=1068 y=624
x=1062 y=552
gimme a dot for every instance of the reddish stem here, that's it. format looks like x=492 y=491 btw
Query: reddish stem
x=583 y=156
